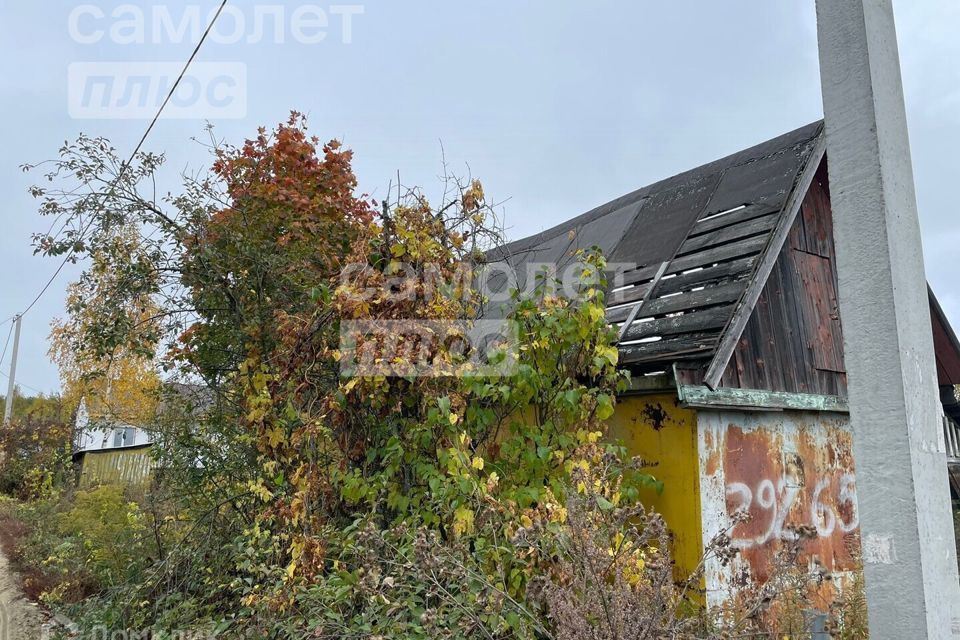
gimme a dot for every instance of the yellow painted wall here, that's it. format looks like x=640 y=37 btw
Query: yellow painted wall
x=116 y=466
x=656 y=429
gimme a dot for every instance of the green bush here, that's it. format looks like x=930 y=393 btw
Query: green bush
x=35 y=450
x=108 y=531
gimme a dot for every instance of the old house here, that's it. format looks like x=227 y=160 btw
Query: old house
x=107 y=452
x=724 y=291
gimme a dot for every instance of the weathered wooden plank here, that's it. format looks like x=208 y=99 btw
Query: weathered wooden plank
x=635 y=311
x=728 y=234
x=701 y=396
x=799 y=322
x=685 y=301
x=781 y=333
x=749 y=212
x=776 y=242
x=624 y=296
x=750 y=360
x=694 y=322
x=813 y=232
x=714 y=274
x=685 y=345
x=822 y=312
x=640 y=385
x=731 y=377
x=732 y=251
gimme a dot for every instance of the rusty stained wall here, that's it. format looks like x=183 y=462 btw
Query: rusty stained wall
x=787 y=470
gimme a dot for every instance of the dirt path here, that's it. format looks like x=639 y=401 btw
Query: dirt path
x=19 y=619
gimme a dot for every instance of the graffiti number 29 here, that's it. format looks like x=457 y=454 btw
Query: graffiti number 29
x=826 y=512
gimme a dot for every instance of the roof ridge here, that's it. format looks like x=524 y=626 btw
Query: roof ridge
x=638 y=196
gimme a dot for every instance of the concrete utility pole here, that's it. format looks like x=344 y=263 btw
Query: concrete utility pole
x=12 y=386
x=904 y=502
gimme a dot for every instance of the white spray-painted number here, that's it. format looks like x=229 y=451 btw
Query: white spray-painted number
x=778 y=499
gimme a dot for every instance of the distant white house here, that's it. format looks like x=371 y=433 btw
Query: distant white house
x=109 y=452
x=96 y=436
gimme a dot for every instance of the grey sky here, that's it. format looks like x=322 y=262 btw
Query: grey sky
x=557 y=105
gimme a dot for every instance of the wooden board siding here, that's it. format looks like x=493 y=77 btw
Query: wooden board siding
x=794 y=341
x=128 y=466
x=820 y=314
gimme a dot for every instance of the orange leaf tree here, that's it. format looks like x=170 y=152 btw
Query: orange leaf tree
x=255 y=282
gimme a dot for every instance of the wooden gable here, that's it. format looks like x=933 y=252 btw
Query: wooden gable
x=793 y=340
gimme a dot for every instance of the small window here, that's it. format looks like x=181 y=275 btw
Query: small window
x=124 y=437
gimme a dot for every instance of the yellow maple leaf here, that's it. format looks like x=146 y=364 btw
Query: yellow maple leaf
x=276 y=436
x=462 y=521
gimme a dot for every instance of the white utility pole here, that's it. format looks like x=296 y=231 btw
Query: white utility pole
x=12 y=386
x=906 y=523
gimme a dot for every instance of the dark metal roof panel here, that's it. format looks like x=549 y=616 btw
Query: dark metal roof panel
x=653 y=225
x=756 y=163
x=664 y=220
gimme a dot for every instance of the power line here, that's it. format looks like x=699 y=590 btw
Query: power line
x=6 y=343
x=22 y=384
x=120 y=174
x=143 y=139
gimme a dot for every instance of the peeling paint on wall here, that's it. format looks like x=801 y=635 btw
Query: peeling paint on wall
x=790 y=471
x=878 y=550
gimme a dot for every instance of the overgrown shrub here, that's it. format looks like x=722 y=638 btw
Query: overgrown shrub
x=50 y=568
x=110 y=533
x=610 y=574
x=35 y=449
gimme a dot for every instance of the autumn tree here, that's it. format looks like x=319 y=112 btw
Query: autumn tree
x=103 y=348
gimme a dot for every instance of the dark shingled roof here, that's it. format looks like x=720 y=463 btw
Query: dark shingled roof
x=693 y=244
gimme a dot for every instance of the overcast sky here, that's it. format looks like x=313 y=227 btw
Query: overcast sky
x=557 y=105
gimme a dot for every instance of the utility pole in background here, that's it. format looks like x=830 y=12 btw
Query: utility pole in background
x=12 y=386
x=906 y=524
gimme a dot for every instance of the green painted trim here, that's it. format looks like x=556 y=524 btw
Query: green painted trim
x=701 y=396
